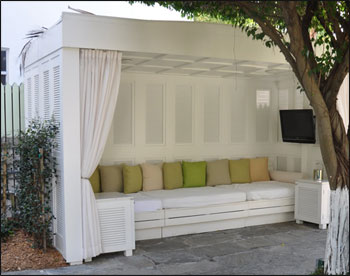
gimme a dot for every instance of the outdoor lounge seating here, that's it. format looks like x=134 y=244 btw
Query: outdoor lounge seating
x=163 y=213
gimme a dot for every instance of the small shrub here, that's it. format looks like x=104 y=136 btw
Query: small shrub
x=36 y=172
x=7 y=227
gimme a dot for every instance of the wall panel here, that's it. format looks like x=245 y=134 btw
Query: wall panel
x=211 y=114
x=183 y=114
x=195 y=118
x=154 y=127
x=123 y=117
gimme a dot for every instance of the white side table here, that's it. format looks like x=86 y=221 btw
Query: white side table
x=117 y=224
x=312 y=202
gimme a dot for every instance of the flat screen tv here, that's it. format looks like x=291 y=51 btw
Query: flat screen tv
x=298 y=126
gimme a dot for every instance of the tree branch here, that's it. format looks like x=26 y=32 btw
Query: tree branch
x=335 y=80
x=269 y=30
x=339 y=34
x=310 y=11
x=322 y=21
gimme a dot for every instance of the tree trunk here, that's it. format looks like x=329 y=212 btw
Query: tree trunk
x=337 y=245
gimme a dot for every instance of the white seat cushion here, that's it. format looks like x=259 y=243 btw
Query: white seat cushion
x=143 y=203
x=262 y=190
x=195 y=197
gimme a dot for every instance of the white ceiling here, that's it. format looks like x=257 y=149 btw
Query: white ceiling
x=198 y=66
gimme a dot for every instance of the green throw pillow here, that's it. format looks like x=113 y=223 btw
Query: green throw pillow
x=111 y=178
x=240 y=171
x=172 y=176
x=194 y=173
x=132 y=176
x=95 y=181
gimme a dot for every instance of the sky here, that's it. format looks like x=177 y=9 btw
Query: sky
x=19 y=17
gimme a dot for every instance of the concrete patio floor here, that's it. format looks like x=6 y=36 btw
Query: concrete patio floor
x=275 y=249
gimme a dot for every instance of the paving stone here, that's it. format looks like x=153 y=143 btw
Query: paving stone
x=188 y=268
x=172 y=257
x=219 y=249
x=165 y=244
x=275 y=249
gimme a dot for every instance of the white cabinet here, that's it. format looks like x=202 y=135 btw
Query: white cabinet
x=312 y=202
x=116 y=216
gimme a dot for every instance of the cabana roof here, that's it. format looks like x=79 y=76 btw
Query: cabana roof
x=168 y=47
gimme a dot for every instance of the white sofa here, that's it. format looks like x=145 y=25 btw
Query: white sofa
x=165 y=213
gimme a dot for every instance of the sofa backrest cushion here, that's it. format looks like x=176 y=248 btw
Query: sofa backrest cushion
x=218 y=172
x=152 y=177
x=111 y=178
x=96 y=181
x=284 y=176
x=194 y=173
x=172 y=176
x=240 y=171
x=259 y=169
x=132 y=178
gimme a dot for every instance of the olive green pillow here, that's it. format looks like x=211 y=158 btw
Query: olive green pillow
x=218 y=172
x=172 y=176
x=194 y=173
x=95 y=181
x=132 y=176
x=240 y=171
x=111 y=178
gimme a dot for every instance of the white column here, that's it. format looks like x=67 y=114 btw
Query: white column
x=71 y=154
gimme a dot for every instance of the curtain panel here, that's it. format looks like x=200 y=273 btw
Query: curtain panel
x=99 y=86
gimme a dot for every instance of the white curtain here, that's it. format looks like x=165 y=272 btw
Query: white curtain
x=343 y=101
x=99 y=85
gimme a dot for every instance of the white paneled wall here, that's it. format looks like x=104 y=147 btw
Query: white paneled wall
x=168 y=118
x=43 y=100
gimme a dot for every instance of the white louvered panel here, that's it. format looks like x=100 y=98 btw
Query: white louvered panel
x=308 y=204
x=116 y=218
x=46 y=93
x=57 y=101
x=112 y=226
x=36 y=96
x=29 y=99
x=60 y=217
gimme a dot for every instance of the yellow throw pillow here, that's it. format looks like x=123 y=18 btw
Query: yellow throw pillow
x=96 y=181
x=132 y=179
x=111 y=178
x=152 y=176
x=259 y=169
x=240 y=171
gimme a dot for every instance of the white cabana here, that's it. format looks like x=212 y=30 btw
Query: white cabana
x=188 y=91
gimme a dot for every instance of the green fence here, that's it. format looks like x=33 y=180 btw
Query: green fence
x=12 y=121
x=12 y=110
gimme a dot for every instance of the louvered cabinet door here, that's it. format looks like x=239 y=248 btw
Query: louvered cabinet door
x=116 y=217
x=312 y=202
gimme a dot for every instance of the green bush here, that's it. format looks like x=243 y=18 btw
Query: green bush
x=36 y=168
x=7 y=227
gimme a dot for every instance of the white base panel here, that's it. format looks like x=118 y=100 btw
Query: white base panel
x=148 y=234
x=177 y=230
x=269 y=219
x=183 y=221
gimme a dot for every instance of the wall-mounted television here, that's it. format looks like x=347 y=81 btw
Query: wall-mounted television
x=298 y=126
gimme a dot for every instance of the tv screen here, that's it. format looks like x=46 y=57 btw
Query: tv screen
x=298 y=126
